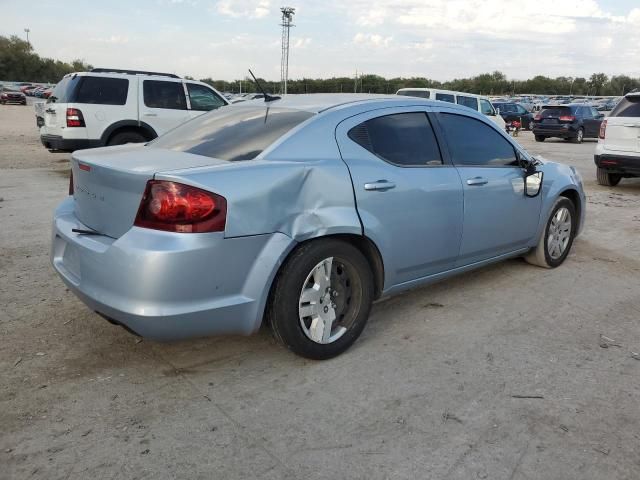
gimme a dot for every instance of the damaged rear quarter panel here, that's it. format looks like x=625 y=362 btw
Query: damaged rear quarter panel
x=299 y=187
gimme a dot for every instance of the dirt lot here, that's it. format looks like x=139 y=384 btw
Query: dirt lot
x=429 y=391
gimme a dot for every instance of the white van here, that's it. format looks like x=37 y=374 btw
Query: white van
x=477 y=102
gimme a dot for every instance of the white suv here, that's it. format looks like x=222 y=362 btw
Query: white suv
x=113 y=107
x=618 y=151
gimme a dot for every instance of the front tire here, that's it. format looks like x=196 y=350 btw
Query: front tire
x=557 y=238
x=321 y=299
x=540 y=138
x=607 y=179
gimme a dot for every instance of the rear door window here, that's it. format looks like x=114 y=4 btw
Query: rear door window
x=403 y=139
x=474 y=143
x=627 y=107
x=102 y=91
x=470 y=102
x=232 y=134
x=162 y=94
x=446 y=97
x=203 y=98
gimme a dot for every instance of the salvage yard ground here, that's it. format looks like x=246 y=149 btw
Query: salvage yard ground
x=502 y=373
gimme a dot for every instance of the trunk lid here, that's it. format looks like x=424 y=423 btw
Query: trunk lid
x=109 y=182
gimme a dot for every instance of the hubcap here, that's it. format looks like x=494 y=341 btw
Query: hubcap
x=559 y=233
x=328 y=301
x=580 y=135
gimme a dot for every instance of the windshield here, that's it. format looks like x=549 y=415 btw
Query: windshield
x=232 y=133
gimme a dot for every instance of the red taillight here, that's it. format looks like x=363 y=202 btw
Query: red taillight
x=567 y=118
x=71 y=183
x=538 y=117
x=175 y=207
x=74 y=118
x=603 y=129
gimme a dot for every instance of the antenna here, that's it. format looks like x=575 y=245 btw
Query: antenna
x=287 y=18
x=267 y=97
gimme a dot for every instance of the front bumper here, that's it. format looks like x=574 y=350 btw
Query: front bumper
x=169 y=286
x=620 y=164
x=56 y=142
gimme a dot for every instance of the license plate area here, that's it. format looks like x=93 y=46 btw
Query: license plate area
x=67 y=259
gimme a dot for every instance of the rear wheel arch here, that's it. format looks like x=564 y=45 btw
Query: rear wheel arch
x=128 y=126
x=364 y=244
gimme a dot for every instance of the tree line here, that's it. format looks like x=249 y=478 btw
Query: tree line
x=19 y=62
x=496 y=83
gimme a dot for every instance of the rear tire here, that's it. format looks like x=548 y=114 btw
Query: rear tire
x=607 y=179
x=126 y=137
x=579 y=136
x=556 y=240
x=300 y=299
x=540 y=138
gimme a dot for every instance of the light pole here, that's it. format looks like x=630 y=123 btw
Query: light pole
x=27 y=30
x=571 y=87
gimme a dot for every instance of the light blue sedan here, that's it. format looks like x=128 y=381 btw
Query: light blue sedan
x=301 y=212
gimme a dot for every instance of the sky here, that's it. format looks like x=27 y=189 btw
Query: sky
x=438 y=39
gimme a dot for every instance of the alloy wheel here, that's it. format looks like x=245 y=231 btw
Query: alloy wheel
x=559 y=233
x=329 y=300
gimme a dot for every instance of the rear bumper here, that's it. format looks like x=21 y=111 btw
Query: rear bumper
x=566 y=132
x=56 y=142
x=621 y=164
x=168 y=286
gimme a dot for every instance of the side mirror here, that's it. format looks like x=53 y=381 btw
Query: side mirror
x=497 y=111
x=533 y=184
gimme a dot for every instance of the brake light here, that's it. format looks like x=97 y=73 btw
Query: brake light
x=566 y=118
x=603 y=129
x=71 y=183
x=175 y=207
x=74 y=118
x=538 y=117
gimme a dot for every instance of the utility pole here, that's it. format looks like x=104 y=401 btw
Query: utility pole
x=355 y=83
x=27 y=30
x=287 y=18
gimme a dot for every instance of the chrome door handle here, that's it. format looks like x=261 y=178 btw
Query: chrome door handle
x=149 y=114
x=379 y=185
x=477 y=181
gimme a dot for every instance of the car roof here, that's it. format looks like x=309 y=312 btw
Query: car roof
x=320 y=102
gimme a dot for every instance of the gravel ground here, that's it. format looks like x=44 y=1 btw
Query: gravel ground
x=431 y=390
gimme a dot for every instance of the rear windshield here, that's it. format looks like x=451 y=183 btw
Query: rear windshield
x=506 y=107
x=415 y=93
x=555 y=112
x=627 y=107
x=64 y=90
x=232 y=133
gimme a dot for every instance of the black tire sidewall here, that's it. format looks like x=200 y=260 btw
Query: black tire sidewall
x=563 y=202
x=283 y=311
x=126 y=137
